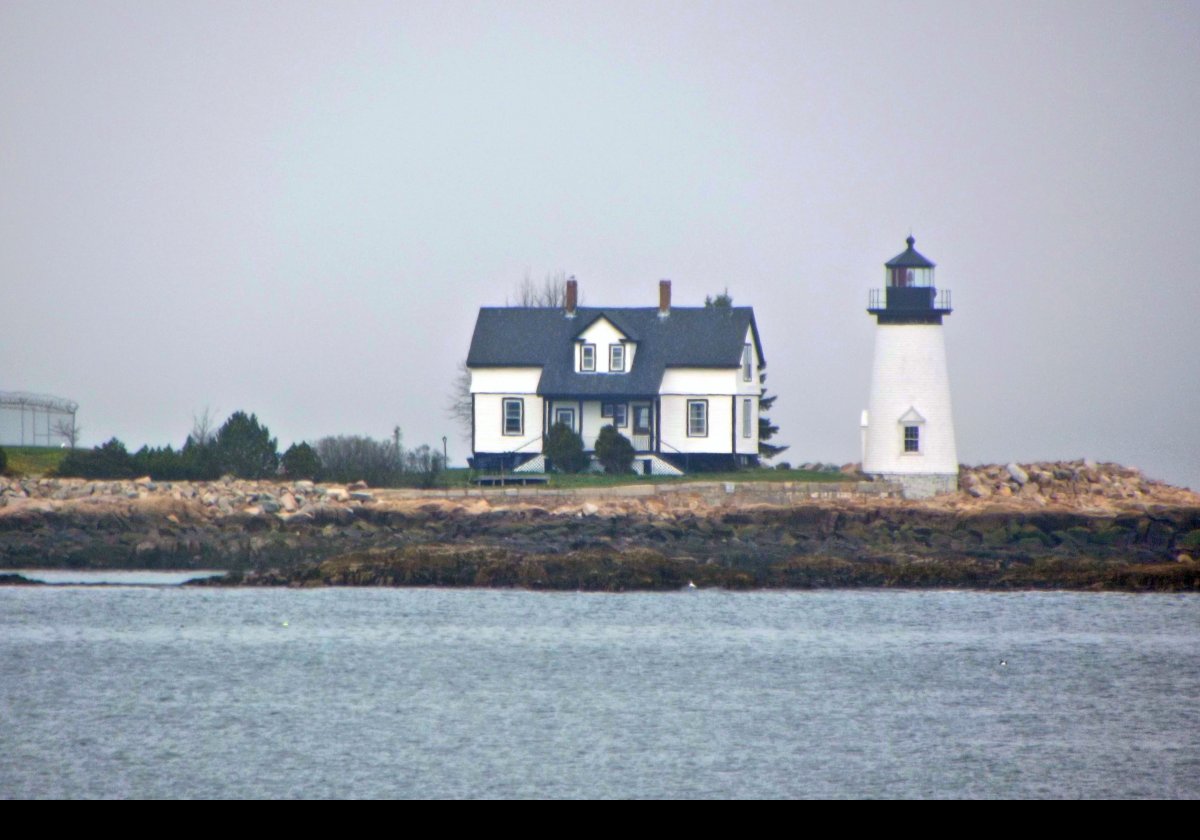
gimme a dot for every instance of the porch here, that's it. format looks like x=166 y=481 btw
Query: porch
x=635 y=418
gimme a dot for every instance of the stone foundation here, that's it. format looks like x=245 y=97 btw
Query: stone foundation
x=924 y=486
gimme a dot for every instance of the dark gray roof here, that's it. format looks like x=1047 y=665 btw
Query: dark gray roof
x=544 y=337
x=910 y=258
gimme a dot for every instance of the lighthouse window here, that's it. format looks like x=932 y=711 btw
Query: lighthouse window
x=912 y=438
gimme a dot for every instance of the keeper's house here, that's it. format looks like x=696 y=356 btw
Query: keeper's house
x=682 y=384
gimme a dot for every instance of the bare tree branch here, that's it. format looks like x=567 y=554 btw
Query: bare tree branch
x=204 y=428
x=552 y=292
x=68 y=431
x=458 y=405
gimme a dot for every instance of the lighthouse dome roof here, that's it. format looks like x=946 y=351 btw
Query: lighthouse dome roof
x=910 y=258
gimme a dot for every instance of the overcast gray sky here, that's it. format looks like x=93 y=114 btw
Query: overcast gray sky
x=296 y=208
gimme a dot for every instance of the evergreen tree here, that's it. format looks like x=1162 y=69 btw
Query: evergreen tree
x=766 y=429
x=246 y=448
x=301 y=461
x=721 y=301
x=199 y=455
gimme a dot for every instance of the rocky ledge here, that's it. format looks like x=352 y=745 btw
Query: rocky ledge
x=1064 y=525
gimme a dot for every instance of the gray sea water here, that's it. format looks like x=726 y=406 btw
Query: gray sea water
x=174 y=692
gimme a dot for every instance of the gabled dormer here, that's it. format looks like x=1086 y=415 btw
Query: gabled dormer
x=911 y=425
x=603 y=346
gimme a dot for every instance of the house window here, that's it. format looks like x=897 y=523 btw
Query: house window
x=606 y=409
x=514 y=417
x=566 y=416
x=587 y=357
x=747 y=364
x=912 y=438
x=697 y=418
x=620 y=415
x=616 y=358
x=746 y=417
x=641 y=419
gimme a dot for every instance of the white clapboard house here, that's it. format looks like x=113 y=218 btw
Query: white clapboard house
x=682 y=384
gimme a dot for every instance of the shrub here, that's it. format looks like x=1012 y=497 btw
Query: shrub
x=109 y=460
x=164 y=464
x=301 y=461
x=347 y=458
x=3 y=460
x=564 y=448
x=423 y=465
x=614 y=451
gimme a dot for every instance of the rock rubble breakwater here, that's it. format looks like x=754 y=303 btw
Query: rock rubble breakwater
x=1082 y=525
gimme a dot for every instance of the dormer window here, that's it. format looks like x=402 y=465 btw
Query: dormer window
x=616 y=358
x=587 y=357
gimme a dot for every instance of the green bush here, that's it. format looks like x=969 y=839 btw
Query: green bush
x=3 y=460
x=161 y=464
x=301 y=461
x=109 y=460
x=614 y=451
x=192 y=463
x=564 y=448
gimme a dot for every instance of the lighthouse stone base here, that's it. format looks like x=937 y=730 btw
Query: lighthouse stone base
x=923 y=485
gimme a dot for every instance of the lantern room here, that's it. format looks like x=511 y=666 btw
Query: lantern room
x=909 y=295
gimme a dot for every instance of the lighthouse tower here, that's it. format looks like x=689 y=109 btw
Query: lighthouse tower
x=907 y=429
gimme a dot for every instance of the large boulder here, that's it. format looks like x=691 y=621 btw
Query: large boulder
x=1017 y=474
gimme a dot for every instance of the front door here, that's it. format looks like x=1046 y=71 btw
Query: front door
x=641 y=427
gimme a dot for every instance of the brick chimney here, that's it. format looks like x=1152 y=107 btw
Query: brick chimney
x=572 y=297
x=664 y=298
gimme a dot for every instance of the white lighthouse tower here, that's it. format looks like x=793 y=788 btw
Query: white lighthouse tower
x=907 y=429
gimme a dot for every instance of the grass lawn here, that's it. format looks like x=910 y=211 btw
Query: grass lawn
x=42 y=460
x=34 y=460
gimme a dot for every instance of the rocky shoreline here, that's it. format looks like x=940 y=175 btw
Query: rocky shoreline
x=1074 y=525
